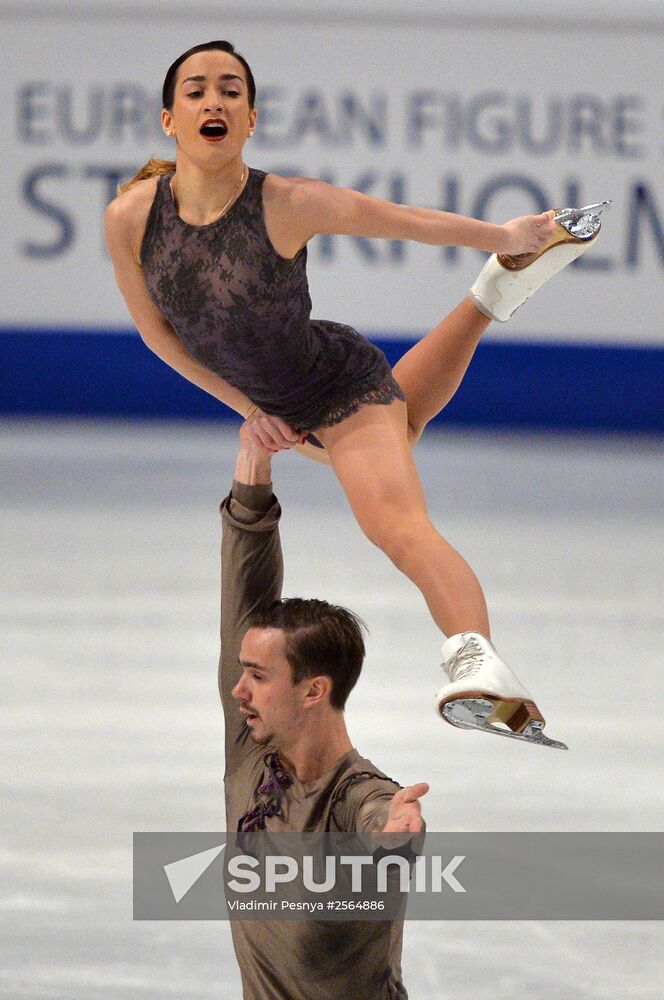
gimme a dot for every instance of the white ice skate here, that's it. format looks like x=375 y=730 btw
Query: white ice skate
x=483 y=693
x=505 y=282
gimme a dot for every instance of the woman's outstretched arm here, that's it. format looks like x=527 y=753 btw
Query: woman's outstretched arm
x=308 y=207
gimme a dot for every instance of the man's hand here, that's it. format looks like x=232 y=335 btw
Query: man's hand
x=405 y=814
x=253 y=465
x=272 y=433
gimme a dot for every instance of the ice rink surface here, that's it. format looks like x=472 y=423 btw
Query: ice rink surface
x=111 y=722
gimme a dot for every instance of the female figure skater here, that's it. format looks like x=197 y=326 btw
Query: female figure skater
x=210 y=257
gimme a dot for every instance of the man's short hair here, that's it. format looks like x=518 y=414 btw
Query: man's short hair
x=321 y=638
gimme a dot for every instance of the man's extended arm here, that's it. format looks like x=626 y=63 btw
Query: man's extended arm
x=251 y=575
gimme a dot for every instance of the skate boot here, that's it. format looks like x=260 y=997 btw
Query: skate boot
x=505 y=282
x=483 y=693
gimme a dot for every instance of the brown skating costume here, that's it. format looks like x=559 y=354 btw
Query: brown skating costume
x=293 y=960
x=243 y=311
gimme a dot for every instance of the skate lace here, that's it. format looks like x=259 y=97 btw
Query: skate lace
x=466 y=661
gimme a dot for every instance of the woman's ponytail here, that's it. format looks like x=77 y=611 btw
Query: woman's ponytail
x=153 y=167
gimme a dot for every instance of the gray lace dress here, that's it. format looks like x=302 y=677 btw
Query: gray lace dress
x=243 y=311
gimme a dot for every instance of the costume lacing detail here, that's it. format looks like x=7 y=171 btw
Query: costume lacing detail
x=466 y=661
x=278 y=780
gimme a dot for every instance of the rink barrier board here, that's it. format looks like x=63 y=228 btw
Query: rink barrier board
x=561 y=386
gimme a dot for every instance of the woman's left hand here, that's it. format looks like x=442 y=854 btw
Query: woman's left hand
x=527 y=233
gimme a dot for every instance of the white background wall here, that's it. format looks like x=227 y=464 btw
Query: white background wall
x=547 y=110
x=592 y=12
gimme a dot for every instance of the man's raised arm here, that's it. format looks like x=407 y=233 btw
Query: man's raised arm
x=251 y=574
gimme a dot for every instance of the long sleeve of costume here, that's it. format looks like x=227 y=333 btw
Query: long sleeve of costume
x=251 y=577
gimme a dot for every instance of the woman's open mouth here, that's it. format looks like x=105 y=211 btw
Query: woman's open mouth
x=214 y=129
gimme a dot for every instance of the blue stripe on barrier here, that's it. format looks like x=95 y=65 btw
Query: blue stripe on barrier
x=559 y=385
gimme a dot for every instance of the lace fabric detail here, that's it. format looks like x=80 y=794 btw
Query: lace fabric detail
x=382 y=395
x=244 y=312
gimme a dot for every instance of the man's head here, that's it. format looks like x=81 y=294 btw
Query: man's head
x=299 y=657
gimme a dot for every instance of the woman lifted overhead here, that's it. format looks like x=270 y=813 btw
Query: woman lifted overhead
x=210 y=256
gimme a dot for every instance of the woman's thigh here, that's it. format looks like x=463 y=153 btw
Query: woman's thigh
x=372 y=458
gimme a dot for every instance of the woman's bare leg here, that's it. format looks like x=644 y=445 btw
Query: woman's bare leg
x=372 y=459
x=432 y=370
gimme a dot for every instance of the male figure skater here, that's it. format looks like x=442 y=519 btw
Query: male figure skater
x=285 y=672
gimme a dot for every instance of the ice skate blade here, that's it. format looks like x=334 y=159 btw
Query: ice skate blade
x=474 y=713
x=578 y=221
